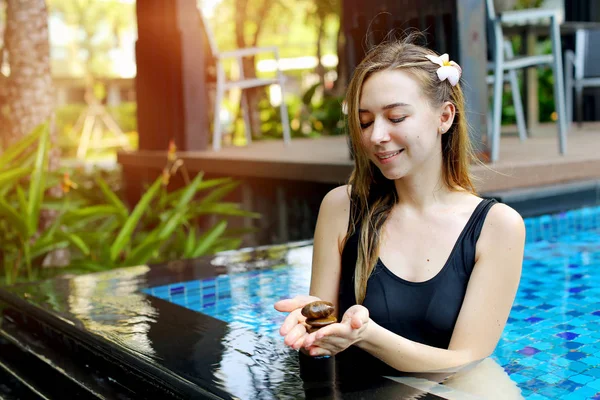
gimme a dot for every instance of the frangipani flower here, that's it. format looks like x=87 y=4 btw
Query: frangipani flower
x=448 y=69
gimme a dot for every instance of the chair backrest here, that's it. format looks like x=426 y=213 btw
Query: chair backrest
x=490 y=10
x=492 y=28
x=586 y=56
x=209 y=35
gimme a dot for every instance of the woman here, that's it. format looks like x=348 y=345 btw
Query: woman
x=422 y=271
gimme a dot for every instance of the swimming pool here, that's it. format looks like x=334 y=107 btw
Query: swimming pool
x=552 y=338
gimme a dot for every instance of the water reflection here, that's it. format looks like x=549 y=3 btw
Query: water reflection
x=111 y=305
x=485 y=380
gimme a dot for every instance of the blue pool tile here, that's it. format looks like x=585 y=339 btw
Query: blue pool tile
x=595 y=384
x=534 y=384
x=582 y=378
x=572 y=345
x=550 y=379
x=543 y=346
x=528 y=351
x=530 y=372
x=569 y=385
x=590 y=349
x=533 y=320
x=519 y=378
x=581 y=393
x=564 y=373
x=567 y=335
x=545 y=306
x=587 y=340
x=578 y=366
x=537 y=396
x=554 y=392
x=575 y=355
x=561 y=362
x=595 y=372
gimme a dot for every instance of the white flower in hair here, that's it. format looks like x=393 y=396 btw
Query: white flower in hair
x=448 y=69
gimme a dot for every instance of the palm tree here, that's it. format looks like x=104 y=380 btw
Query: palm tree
x=29 y=89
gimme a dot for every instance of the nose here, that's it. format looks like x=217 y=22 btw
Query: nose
x=379 y=133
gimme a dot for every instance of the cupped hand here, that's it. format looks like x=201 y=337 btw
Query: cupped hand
x=334 y=338
x=293 y=328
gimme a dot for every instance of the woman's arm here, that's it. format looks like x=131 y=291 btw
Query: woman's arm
x=332 y=224
x=489 y=298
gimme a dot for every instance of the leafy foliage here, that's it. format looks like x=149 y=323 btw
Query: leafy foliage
x=94 y=227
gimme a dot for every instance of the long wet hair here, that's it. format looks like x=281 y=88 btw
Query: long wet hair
x=372 y=195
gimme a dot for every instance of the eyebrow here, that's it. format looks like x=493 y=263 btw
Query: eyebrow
x=393 y=105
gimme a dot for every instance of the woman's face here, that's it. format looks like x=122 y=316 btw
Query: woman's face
x=400 y=129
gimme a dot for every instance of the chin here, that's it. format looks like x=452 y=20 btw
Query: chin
x=393 y=174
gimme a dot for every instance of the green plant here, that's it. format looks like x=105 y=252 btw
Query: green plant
x=94 y=227
x=322 y=111
x=21 y=241
x=315 y=113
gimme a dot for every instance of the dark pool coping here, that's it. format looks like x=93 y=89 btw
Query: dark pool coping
x=553 y=199
x=186 y=343
x=98 y=346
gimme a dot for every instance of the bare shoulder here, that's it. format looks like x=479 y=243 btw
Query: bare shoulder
x=503 y=230
x=334 y=213
x=337 y=201
x=502 y=219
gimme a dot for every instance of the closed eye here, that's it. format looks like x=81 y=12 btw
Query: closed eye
x=393 y=120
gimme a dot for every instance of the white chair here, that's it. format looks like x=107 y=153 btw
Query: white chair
x=511 y=78
x=223 y=85
x=582 y=70
x=502 y=65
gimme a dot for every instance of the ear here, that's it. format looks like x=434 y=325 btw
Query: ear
x=447 y=114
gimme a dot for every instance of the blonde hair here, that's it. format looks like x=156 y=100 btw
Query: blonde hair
x=373 y=195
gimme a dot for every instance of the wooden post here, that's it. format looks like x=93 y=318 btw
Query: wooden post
x=172 y=99
x=470 y=21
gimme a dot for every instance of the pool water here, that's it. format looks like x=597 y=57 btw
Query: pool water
x=550 y=346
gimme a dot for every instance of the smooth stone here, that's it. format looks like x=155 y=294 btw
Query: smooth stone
x=317 y=309
x=321 y=322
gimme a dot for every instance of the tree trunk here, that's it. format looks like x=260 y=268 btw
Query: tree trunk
x=30 y=91
x=339 y=86
x=30 y=94
x=320 y=69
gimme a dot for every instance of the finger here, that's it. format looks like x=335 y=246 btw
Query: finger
x=293 y=319
x=318 y=351
x=289 y=305
x=340 y=330
x=299 y=343
x=356 y=316
x=356 y=322
x=332 y=343
x=296 y=333
x=357 y=310
x=309 y=340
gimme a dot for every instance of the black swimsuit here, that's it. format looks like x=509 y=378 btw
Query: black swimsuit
x=424 y=312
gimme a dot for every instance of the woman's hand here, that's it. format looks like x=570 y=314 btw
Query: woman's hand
x=334 y=338
x=294 y=328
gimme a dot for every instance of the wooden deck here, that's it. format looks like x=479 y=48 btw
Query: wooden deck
x=534 y=162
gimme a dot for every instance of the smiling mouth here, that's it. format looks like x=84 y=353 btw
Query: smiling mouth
x=390 y=155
